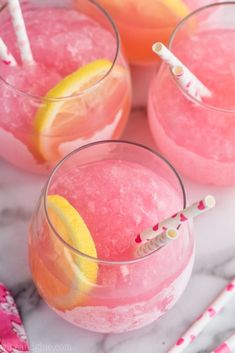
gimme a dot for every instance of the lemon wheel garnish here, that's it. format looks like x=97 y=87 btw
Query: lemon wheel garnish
x=59 y=119
x=64 y=278
x=177 y=7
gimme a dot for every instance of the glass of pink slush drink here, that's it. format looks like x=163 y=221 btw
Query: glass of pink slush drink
x=140 y=22
x=76 y=92
x=199 y=136
x=81 y=243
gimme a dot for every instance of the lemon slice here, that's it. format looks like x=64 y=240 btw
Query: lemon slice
x=63 y=277
x=66 y=119
x=178 y=7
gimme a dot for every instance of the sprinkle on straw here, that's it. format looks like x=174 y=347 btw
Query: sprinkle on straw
x=177 y=219
x=186 y=81
x=200 y=324
x=6 y=57
x=166 y=55
x=20 y=31
x=227 y=346
x=156 y=243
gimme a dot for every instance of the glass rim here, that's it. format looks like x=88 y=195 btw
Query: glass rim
x=170 y=44
x=109 y=18
x=57 y=167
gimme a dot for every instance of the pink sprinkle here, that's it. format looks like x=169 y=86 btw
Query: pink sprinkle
x=211 y=312
x=192 y=338
x=223 y=348
x=183 y=218
x=155 y=228
x=174 y=215
x=6 y=62
x=188 y=84
x=230 y=287
x=180 y=342
x=138 y=239
x=164 y=228
x=201 y=205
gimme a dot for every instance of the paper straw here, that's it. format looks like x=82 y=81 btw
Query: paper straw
x=177 y=219
x=199 y=325
x=158 y=242
x=5 y=55
x=186 y=82
x=20 y=31
x=166 y=55
x=227 y=346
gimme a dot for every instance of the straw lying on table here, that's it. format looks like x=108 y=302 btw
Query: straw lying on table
x=227 y=346
x=196 y=85
x=177 y=219
x=5 y=55
x=203 y=320
x=20 y=31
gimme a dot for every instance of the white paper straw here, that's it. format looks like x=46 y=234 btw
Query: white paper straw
x=200 y=324
x=186 y=81
x=177 y=219
x=166 y=55
x=156 y=243
x=227 y=346
x=6 y=57
x=20 y=31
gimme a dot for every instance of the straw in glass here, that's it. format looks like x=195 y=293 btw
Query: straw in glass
x=199 y=325
x=6 y=57
x=177 y=219
x=227 y=346
x=186 y=81
x=20 y=31
x=158 y=242
x=166 y=55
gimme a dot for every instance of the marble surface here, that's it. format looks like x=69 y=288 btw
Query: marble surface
x=215 y=265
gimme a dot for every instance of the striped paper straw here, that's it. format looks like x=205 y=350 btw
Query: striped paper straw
x=177 y=219
x=6 y=57
x=20 y=31
x=186 y=82
x=203 y=320
x=227 y=346
x=156 y=243
x=166 y=55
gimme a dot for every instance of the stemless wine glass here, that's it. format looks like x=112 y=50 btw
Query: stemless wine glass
x=118 y=188
x=198 y=136
x=142 y=23
x=40 y=124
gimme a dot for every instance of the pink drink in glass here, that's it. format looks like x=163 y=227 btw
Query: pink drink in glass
x=142 y=23
x=63 y=38
x=199 y=138
x=119 y=189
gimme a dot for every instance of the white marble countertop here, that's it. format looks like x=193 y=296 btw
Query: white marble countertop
x=215 y=264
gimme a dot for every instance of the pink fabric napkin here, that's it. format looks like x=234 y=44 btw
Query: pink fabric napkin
x=12 y=334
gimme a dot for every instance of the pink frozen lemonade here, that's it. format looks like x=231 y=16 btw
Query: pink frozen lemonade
x=78 y=90
x=141 y=22
x=119 y=189
x=199 y=137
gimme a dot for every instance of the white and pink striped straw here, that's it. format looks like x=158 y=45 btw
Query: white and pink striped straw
x=20 y=31
x=157 y=243
x=166 y=55
x=6 y=57
x=199 y=325
x=186 y=81
x=177 y=219
x=227 y=346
